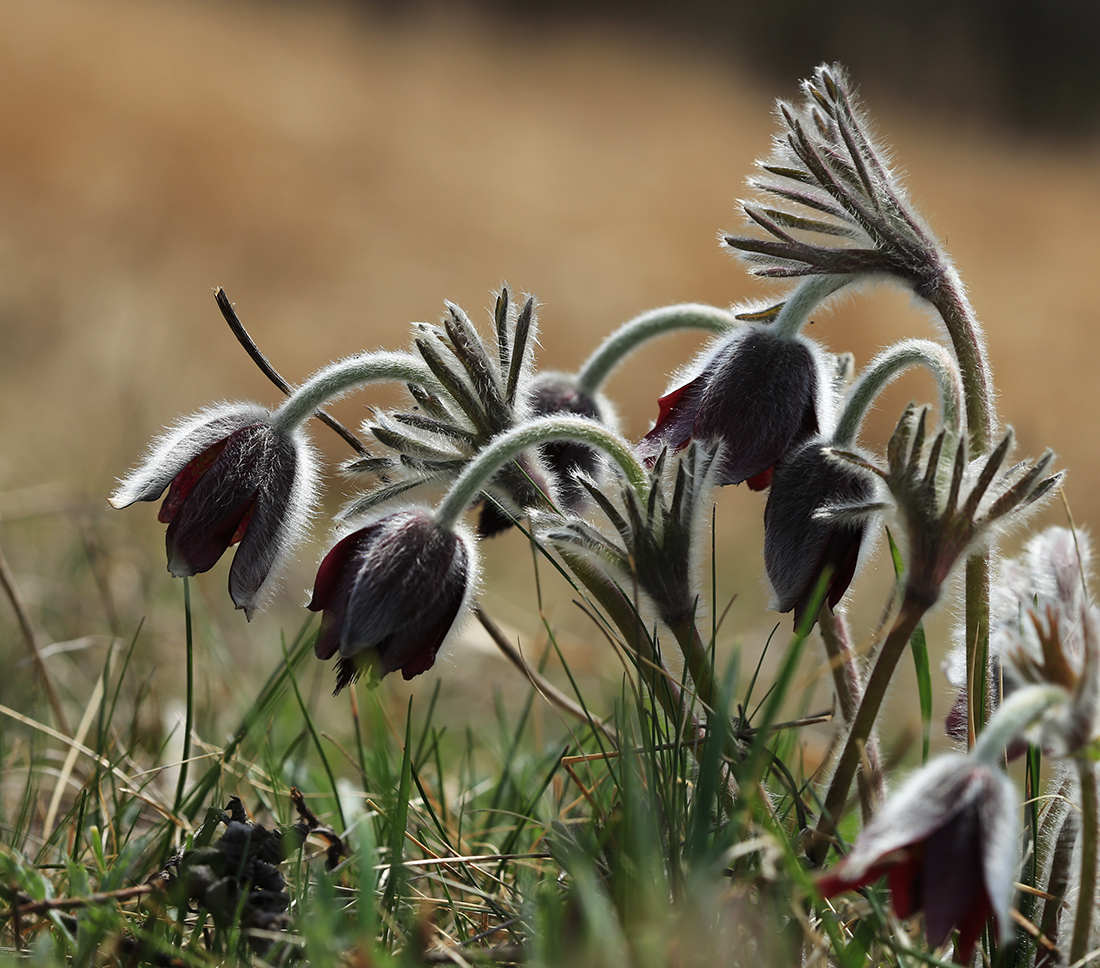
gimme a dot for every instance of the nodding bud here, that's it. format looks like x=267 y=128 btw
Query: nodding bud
x=807 y=534
x=947 y=843
x=231 y=477
x=758 y=394
x=391 y=592
x=556 y=394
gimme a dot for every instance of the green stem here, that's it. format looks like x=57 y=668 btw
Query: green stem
x=188 y=725
x=888 y=365
x=345 y=375
x=892 y=650
x=698 y=662
x=849 y=691
x=797 y=307
x=1086 y=889
x=544 y=430
x=632 y=334
x=947 y=295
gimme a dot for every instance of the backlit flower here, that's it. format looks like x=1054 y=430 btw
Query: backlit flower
x=391 y=593
x=231 y=477
x=757 y=393
x=947 y=843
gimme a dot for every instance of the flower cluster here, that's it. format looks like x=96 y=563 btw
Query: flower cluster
x=762 y=404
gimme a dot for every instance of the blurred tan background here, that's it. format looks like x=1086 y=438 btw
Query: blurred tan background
x=343 y=170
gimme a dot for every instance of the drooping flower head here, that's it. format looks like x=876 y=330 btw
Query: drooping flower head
x=758 y=393
x=231 y=477
x=806 y=531
x=947 y=842
x=391 y=592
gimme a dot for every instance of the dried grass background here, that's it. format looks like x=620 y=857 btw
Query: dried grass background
x=340 y=175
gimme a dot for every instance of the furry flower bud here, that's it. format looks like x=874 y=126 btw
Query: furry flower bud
x=757 y=393
x=947 y=843
x=231 y=477
x=806 y=533
x=391 y=592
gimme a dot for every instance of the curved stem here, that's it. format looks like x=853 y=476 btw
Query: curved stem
x=343 y=376
x=948 y=297
x=810 y=293
x=888 y=365
x=632 y=334
x=502 y=449
x=1014 y=717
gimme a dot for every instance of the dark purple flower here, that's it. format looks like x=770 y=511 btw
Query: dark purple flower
x=800 y=546
x=391 y=593
x=946 y=841
x=231 y=477
x=757 y=394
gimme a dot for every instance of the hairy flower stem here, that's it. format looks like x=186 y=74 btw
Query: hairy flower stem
x=343 y=376
x=1086 y=889
x=946 y=294
x=849 y=690
x=698 y=663
x=884 y=368
x=808 y=295
x=651 y=669
x=544 y=430
x=911 y=612
x=632 y=334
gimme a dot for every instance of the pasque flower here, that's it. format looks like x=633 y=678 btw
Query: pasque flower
x=806 y=531
x=757 y=393
x=391 y=593
x=231 y=477
x=947 y=844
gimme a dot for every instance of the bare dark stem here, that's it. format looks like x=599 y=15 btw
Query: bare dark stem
x=11 y=592
x=265 y=367
x=546 y=689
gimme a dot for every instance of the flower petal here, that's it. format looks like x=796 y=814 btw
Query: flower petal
x=174 y=450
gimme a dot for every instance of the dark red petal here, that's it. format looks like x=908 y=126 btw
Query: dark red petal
x=953 y=879
x=333 y=569
x=332 y=591
x=837 y=881
x=970 y=927
x=675 y=421
x=195 y=546
x=760 y=402
x=905 y=882
x=186 y=479
x=761 y=481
